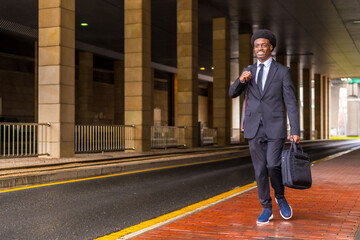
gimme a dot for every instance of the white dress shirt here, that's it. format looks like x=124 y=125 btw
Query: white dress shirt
x=266 y=69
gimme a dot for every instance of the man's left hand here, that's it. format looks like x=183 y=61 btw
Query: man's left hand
x=295 y=138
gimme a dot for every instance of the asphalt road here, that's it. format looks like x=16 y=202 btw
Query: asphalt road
x=94 y=208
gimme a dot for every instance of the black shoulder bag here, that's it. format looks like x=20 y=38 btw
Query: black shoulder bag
x=296 y=167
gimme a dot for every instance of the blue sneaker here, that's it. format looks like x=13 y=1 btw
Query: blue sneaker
x=285 y=209
x=265 y=216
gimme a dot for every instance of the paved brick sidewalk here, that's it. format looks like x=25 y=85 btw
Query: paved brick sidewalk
x=329 y=210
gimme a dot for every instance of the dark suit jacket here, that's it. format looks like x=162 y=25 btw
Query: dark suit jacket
x=269 y=106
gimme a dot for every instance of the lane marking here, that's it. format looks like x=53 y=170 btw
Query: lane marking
x=335 y=155
x=344 y=138
x=151 y=224
x=117 y=174
x=165 y=219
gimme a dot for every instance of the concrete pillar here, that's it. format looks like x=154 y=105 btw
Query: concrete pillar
x=234 y=73
x=187 y=66
x=138 y=98
x=334 y=103
x=221 y=76
x=295 y=77
x=176 y=99
x=352 y=121
x=325 y=108
x=57 y=74
x=85 y=113
x=245 y=51
x=36 y=83
x=282 y=59
x=328 y=108
x=171 y=95
x=119 y=92
x=307 y=104
x=245 y=59
x=152 y=87
x=210 y=105
x=318 y=106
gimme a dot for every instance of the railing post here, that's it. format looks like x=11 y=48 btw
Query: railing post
x=30 y=139
x=97 y=138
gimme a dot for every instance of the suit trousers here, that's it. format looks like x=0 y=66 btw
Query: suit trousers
x=266 y=159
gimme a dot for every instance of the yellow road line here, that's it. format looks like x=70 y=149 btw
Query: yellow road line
x=334 y=155
x=344 y=138
x=116 y=174
x=179 y=213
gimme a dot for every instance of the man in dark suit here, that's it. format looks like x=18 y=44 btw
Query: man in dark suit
x=267 y=86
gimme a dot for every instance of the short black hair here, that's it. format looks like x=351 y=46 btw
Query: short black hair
x=264 y=33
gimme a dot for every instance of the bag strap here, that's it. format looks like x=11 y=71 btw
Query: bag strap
x=246 y=100
x=295 y=147
x=245 y=105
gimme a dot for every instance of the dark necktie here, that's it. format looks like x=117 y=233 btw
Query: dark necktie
x=259 y=78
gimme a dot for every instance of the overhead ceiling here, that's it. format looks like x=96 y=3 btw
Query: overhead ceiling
x=320 y=34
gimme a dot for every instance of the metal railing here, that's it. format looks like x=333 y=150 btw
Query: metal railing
x=23 y=139
x=99 y=138
x=208 y=136
x=167 y=136
x=235 y=135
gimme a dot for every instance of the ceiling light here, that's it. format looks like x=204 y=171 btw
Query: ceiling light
x=346 y=79
x=84 y=24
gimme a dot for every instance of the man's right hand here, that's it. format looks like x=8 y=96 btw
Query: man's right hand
x=245 y=76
